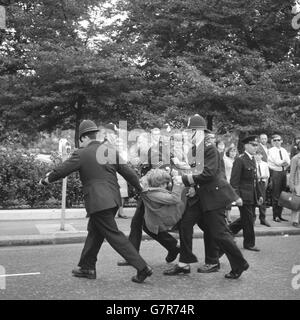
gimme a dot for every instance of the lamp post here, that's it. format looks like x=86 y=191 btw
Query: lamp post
x=65 y=151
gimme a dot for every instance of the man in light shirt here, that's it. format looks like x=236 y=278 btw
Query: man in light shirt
x=278 y=161
x=263 y=149
x=263 y=174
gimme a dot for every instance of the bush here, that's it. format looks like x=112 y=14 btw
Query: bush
x=20 y=173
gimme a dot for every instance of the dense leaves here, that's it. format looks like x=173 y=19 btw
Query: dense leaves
x=236 y=62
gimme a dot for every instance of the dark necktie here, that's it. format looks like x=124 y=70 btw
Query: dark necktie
x=280 y=154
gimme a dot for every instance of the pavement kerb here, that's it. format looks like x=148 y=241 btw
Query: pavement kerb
x=69 y=238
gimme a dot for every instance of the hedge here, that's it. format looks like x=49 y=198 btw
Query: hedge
x=20 y=173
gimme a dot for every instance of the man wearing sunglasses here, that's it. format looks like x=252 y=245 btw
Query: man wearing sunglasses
x=245 y=183
x=279 y=162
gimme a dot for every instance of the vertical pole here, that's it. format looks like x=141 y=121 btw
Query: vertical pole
x=65 y=152
x=63 y=204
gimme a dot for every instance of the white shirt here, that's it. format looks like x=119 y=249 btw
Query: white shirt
x=275 y=161
x=263 y=172
x=228 y=167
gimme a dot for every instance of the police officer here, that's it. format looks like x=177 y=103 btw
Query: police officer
x=102 y=199
x=214 y=194
x=245 y=183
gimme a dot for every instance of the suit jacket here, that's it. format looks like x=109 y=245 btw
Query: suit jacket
x=244 y=179
x=264 y=154
x=99 y=180
x=213 y=190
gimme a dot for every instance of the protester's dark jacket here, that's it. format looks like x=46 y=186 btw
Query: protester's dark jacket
x=213 y=190
x=97 y=164
x=244 y=179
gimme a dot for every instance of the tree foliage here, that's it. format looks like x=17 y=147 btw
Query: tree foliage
x=236 y=62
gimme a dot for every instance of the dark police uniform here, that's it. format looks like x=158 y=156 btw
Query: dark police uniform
x=102 y=199
x=214 y=194
x=244 y=181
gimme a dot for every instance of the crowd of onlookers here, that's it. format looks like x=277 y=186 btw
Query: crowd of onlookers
x=277 y=169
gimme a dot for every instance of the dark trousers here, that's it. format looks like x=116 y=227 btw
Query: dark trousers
x=219 y=233
x=136 y=226
x=245 y=223
x=102 y=225
x=192 y=216
x=262 y=208
x=164 y=238
x=211 y=248
x=279 y=184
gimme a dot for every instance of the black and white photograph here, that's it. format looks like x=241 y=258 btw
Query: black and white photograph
x=150 y=153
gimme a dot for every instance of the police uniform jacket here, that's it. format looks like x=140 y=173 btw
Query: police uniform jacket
x=99 y=180
x=244 y=179
x=213 y=190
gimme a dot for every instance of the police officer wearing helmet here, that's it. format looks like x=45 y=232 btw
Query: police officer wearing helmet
x=102 y=200
x=207 y=208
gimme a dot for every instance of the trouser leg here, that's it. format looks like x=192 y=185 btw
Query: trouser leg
x=186 y=230
x=105 y=224
x=136 y=226
x=247 y=220
x=91 y=248
x=221 y=235
x=164 y=238
x=211 y=248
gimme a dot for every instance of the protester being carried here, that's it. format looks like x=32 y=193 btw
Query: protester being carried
x=163 y=209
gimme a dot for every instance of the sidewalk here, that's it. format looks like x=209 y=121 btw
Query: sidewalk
x=42 y=226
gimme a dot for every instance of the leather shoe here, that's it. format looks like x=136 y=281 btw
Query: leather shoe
x=172 y=255
x=177 y=270
x=265 y=223
x=84 y=273
x=142 y=275
x=276 y=220
x=252 y=248
x=208 y=268
x=123 y=263
x=282 y=219
x=237 y=273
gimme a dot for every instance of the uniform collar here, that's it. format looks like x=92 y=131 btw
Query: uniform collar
x=249 y=155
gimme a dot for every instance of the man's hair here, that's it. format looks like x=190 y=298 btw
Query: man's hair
x=92 y=135
x=263 y=134
x=157 y=177
x=276 y=136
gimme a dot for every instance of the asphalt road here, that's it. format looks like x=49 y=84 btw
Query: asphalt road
x=47 y=274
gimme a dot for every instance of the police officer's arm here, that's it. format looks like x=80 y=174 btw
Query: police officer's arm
x=236 y=175
x=70 y=165
x=127 y=173
x=211 y=164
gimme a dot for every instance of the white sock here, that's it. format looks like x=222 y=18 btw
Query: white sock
x=182 y=265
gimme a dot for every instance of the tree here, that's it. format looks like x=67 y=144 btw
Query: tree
x=219 y=58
